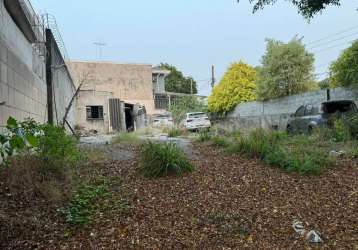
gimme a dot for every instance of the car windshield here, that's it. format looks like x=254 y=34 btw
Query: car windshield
x=197 y=115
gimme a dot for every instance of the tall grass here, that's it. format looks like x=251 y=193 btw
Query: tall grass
x=162 y=159
x=300 y=154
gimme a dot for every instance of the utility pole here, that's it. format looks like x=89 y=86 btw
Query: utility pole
x=191 y=86
x=212 y=76
x=99 y=47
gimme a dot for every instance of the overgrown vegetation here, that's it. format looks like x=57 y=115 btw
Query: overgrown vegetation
x=176 y=132
x=93 y=200
x=302 y=154
x=50 y=143
x=131 y=138
x=162 y=159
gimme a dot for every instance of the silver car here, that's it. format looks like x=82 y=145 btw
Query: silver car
x=308 y=117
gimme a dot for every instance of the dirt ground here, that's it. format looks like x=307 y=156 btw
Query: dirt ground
x=228 y=202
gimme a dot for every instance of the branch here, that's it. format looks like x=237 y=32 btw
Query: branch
x=68 y=108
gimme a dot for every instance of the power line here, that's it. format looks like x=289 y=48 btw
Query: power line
x=334 y=40
x=332 y=35
x=334 y=46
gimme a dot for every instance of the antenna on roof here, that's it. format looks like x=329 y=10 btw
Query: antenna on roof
x=99 y=46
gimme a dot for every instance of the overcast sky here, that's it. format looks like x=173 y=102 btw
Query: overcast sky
x=193 y=35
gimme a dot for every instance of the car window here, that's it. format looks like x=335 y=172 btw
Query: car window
x=310 y=110
x=300 y=111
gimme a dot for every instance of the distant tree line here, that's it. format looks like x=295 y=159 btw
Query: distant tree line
x=286 y=69
x=177 y=82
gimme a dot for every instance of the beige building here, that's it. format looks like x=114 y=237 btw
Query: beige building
x=114 y=96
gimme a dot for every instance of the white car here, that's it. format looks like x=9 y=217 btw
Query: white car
x=165 y=120
x=196 y=120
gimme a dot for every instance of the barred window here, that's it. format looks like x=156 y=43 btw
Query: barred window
x=94 y=112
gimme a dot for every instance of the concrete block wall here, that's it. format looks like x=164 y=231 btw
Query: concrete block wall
x=275 y=113
x=22 y=83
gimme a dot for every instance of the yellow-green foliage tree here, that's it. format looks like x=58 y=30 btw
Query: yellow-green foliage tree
x=238 y=85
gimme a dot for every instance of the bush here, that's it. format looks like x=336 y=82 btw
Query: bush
x=220 y=141
x=351 y=123
x=340 y=131
x=57 y=148
x=50 y=143
x=175 y=132
x=204 y=135
x=161 y=159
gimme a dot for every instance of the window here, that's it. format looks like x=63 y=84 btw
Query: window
x=94 y=112
x=300 y=111
x=309 y=110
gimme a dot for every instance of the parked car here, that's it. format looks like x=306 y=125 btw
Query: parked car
x=195 y=121
x=307 y=117
x=162 y=120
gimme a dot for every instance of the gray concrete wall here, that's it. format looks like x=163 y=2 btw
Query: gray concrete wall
x=22 y=74
x=63 y=87
x=275 y=113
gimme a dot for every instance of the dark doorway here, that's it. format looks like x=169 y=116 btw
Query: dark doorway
x=129 y=112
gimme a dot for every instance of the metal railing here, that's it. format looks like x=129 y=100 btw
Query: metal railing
x=51 y=23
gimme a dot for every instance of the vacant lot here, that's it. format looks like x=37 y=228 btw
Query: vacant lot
x=228 y=202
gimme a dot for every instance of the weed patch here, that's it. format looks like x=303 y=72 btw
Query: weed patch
x=175 y=132
x=204 y=135
x=92 y=200
x=161 y=159
x=129 y=138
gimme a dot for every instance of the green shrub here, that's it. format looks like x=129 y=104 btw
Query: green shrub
x=49 y=142
x=340 y=131
x=220 y=141
x=161 y=159
x=204 y=135
x=57 y=148
x=175 y=132
x=351 y=122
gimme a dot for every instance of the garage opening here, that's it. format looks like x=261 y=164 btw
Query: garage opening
x=129 y=114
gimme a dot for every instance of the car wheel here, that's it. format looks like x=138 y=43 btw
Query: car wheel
x=310 y=130
x=289 y=130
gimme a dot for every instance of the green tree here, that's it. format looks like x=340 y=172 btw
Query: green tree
x=177 y=82
x=307 y=8
x=186 y=104
x=238 y=85
x=344 y=71
x=287 y=69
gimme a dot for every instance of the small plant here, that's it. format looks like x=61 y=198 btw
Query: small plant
x=90 y=200
x=175 y=132
x=129 y=138
x=204 y=135
x=220 y=141
x=162 y=159
x=340 y=131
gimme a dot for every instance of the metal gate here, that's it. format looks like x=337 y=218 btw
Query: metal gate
x=115 y=114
